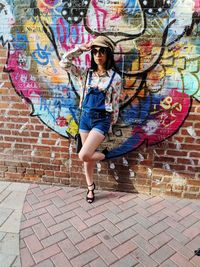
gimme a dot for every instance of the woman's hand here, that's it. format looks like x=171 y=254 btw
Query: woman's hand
x=85 y=47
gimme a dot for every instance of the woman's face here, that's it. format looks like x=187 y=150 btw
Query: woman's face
x=100 y=55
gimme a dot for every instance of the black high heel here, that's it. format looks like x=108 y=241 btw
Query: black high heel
x=90 y=199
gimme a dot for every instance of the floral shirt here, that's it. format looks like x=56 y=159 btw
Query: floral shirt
x=78 y=77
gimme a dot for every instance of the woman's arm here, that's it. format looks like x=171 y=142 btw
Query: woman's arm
x=115 y=99
x=68 y=57
x=77 y=74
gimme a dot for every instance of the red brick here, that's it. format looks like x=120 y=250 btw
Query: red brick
x=192 y=231
x=26 y=258
x=29 y=223
x=193 y=182
x=53 y=239
x=84 y=258
x=98 y=263
x=88 y=243
x=181 y=261
x=41 y=231
x=124 y=249
x=105 y=254
x=33 y=243
x=46 y=253
x=162 y=254
x=178 y=247
x=160 y=240
x=143 y=244
x=60 y=260
x=146 y=234
x=142 y=257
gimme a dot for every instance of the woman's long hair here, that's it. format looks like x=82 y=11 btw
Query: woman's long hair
x=110 y=63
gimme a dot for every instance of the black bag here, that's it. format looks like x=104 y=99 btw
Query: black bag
x=78 y=143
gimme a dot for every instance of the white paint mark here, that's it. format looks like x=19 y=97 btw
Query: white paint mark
x=39 y=142
x=57 y=142
x=98 y=167
x=70 y=154
x=66 y=163
x=149 y=172
x=52 y=155
x=1 y=85
x=151 y=127
x=192 y=162
x=70 y=148
x=159 y=181
x=166 y=166
x=125 y=162
x=178 y=145
x=13 y=145
x=131 y=173
x=7 y=110
x=155 y=153
x=178 y=180
x=116 y=176
x=191 y=131
x=23 y=127
x=140 y=158
x=112 y=166
x=33 y=152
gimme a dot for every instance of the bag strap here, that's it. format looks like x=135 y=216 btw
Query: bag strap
x=84 y=88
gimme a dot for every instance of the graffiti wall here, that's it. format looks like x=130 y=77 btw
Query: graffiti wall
x=157 y=54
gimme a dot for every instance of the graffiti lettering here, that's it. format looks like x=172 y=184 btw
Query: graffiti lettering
x=167 y=104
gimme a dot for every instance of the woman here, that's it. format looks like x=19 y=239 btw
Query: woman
x=100 y=103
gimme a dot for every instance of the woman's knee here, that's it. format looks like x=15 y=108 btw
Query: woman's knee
x=84 y=156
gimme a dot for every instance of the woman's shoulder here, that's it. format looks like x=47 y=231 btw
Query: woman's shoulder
x=117 y=75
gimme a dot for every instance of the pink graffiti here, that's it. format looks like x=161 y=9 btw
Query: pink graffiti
x=167 y=121
x=22 y=80
x=67 y=43
x=197 y=5
x=51 y=2
x=97 y=11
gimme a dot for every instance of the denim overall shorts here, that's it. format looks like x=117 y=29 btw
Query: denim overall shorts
x=94 y=115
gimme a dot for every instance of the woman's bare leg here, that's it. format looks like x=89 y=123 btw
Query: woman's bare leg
x=88 y=152
x=90 y=144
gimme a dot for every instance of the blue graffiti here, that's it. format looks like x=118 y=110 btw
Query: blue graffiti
x=20 y=41
x=41 y=56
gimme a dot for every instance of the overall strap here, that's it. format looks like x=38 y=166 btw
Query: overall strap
x=111 y=80
x=90 y=77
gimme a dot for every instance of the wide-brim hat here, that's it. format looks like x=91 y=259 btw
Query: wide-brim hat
x=103 y=41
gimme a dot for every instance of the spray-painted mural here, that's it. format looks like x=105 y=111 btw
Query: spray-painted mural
x=157 y=53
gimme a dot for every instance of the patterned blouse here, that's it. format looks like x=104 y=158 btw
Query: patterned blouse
x=78 y=76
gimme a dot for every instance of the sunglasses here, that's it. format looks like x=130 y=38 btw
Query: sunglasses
x=101 y=51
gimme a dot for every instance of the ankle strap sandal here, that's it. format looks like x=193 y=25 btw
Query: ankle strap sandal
x=90 y=189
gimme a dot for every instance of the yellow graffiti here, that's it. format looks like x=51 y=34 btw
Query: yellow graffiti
x=167 y=105
x=72 y=126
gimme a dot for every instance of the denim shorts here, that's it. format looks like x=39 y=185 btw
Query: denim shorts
x=94 y=120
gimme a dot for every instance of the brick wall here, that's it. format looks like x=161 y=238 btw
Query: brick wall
x=155 y=145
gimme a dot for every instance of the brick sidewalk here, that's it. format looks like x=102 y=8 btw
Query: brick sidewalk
x=59 y=228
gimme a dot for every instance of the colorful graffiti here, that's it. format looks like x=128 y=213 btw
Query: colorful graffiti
x=157 y=54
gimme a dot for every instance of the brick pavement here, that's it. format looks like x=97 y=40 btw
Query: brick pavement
x=59 y=228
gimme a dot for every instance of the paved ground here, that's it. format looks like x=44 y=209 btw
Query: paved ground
x=59 y=228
